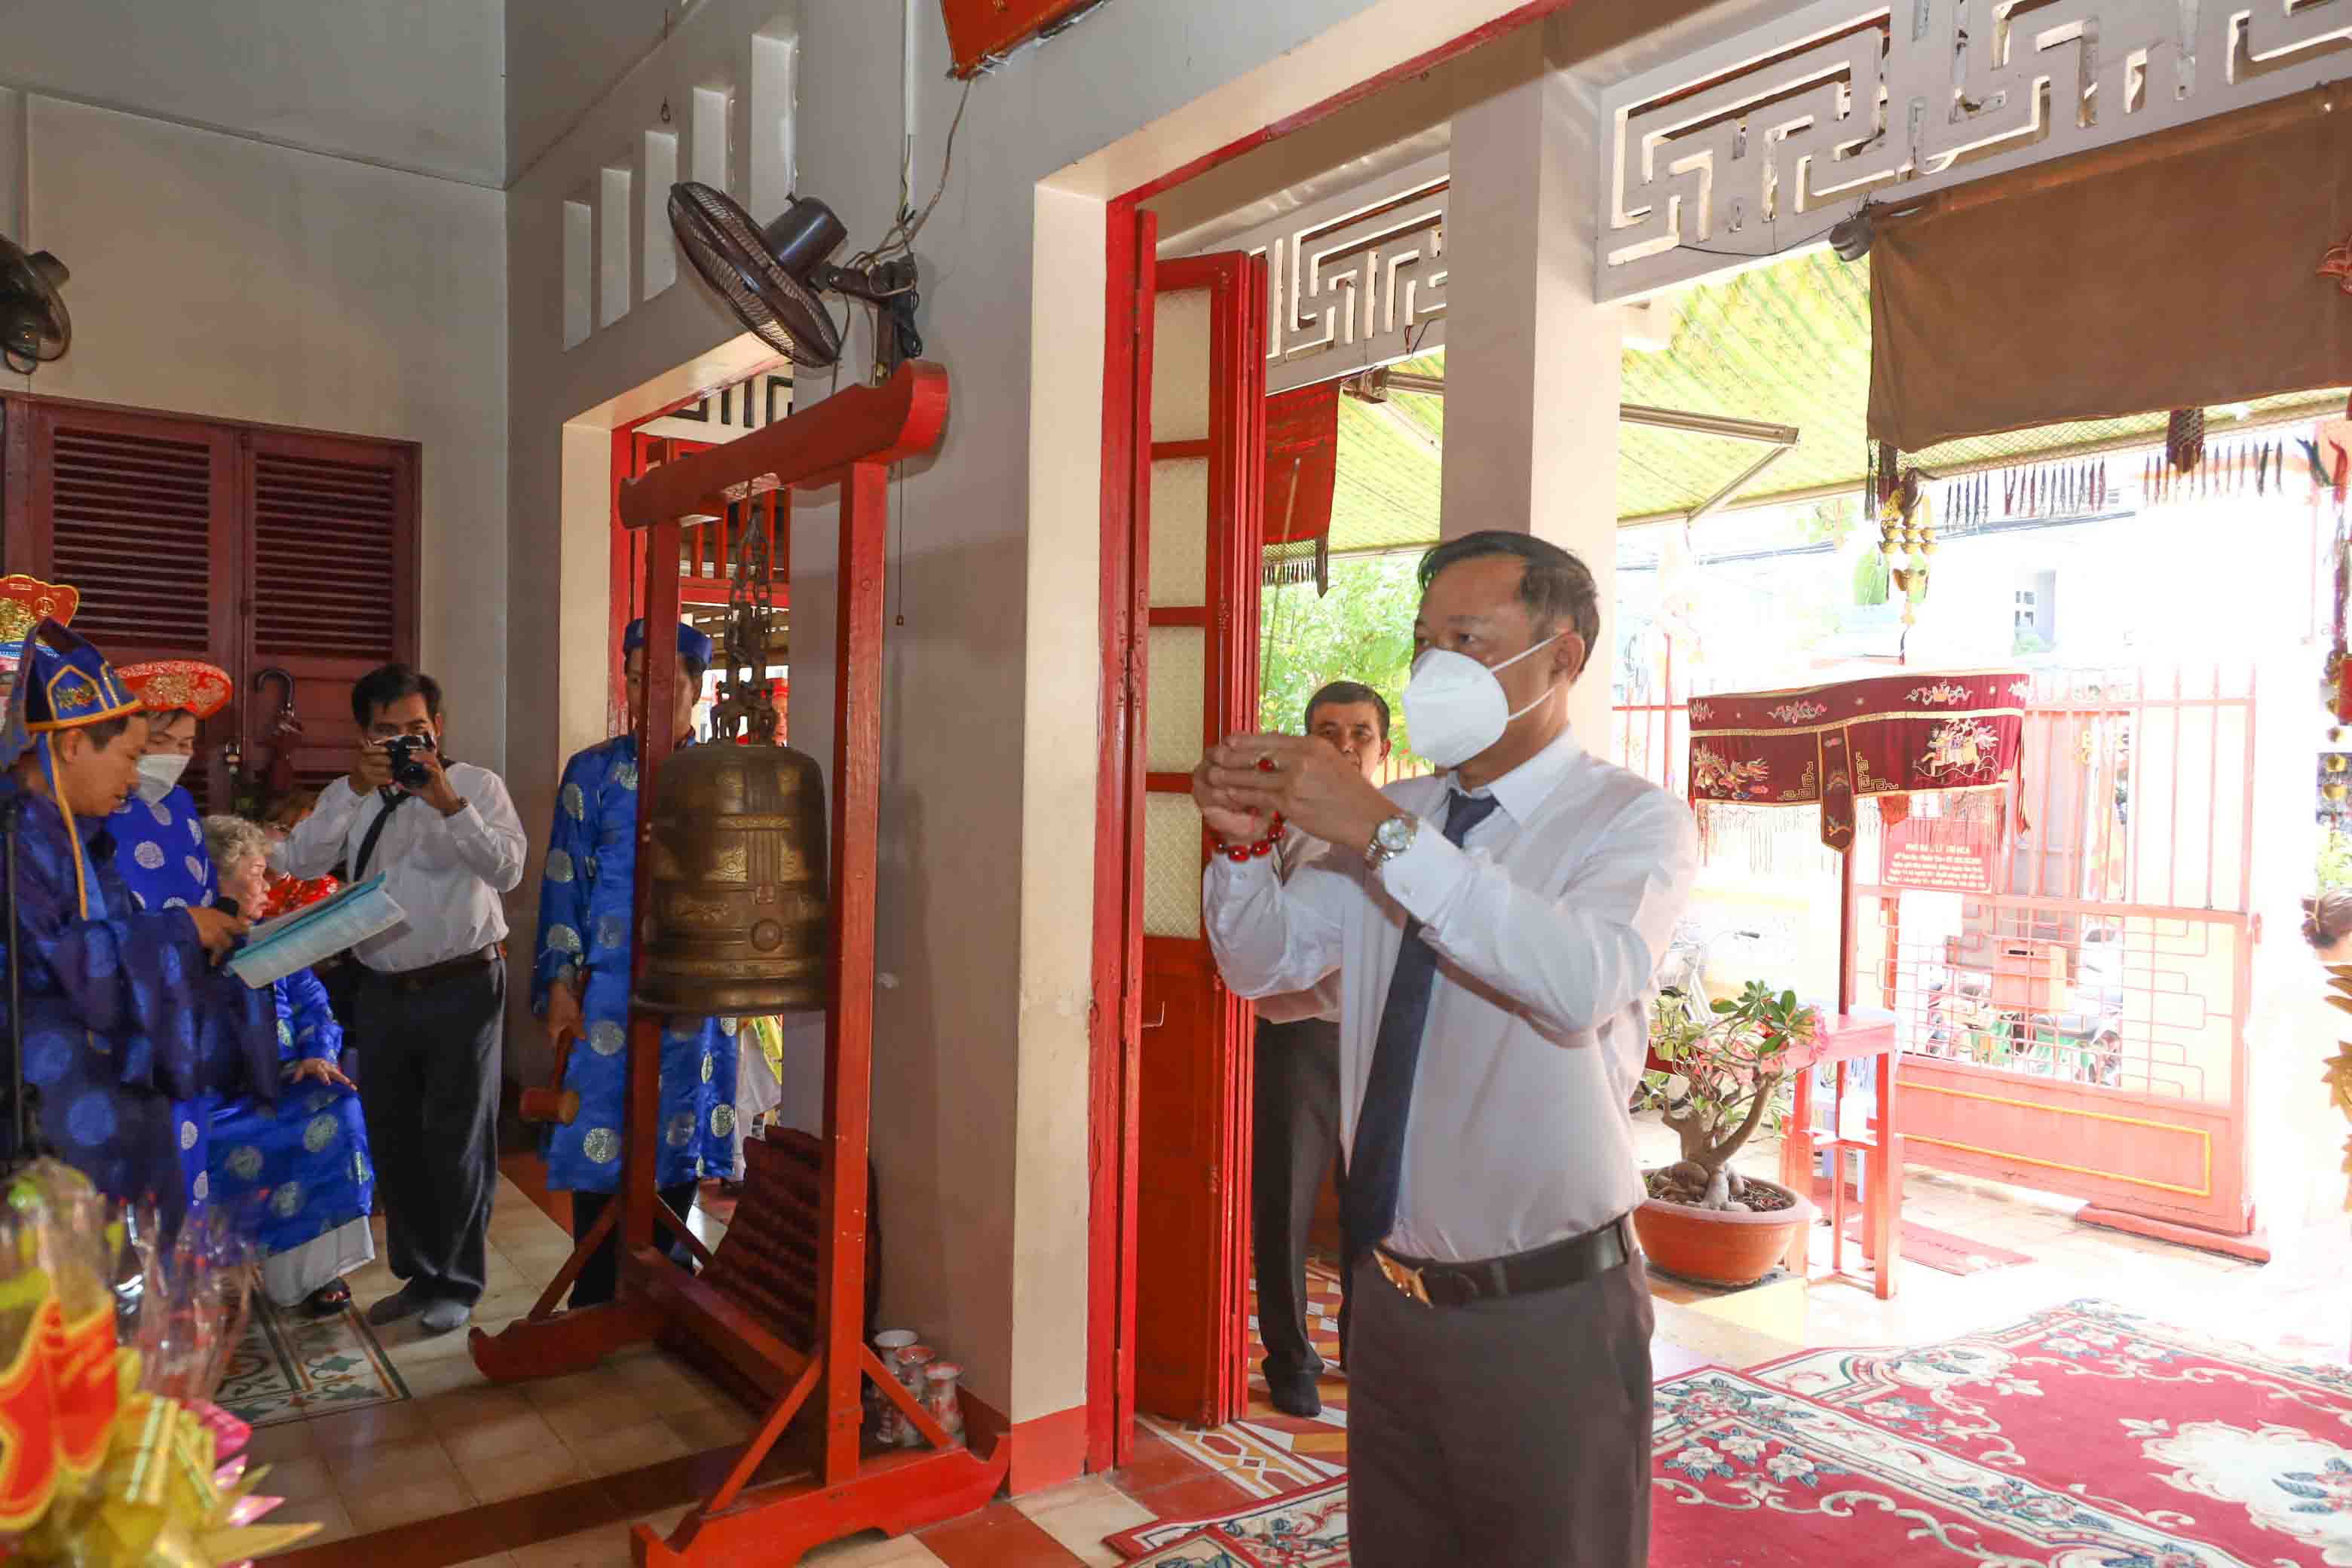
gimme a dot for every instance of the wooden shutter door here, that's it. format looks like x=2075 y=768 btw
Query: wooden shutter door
x=331 y=587
x=1199 y=535
x=137 y=510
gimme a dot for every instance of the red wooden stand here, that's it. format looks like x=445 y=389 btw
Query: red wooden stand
x=1842 y=1039
x=848 y=440
x=1848 y=1038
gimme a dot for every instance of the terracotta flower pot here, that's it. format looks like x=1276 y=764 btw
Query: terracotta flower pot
x=1724 y=1247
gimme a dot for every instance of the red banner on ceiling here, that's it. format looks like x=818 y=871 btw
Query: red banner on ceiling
x=1302 y=462
x=979 y=29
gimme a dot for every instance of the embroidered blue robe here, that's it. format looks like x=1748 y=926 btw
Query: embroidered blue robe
x=584 y=938
x=124 y=1013
x=159 y=847
x=304 y=1164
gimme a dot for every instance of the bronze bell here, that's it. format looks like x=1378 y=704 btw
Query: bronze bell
x=736 y=922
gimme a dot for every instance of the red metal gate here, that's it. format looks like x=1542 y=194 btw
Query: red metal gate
x=2078 y=1026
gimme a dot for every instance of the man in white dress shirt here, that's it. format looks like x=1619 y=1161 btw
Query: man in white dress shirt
x=1497 y=930
x=1297 y=1092
x=430 y=1009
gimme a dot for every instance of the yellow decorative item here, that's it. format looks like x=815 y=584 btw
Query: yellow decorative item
x=95 y=1473
x=2339 y=1077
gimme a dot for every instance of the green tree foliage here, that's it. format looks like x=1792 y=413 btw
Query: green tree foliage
x=1872 y=577
x=1830 y=521
x=1363 y=630
x=2334 y=867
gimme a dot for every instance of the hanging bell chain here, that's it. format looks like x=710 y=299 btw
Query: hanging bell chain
x=746 y=705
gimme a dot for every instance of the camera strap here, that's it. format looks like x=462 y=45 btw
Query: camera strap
x=375 y=832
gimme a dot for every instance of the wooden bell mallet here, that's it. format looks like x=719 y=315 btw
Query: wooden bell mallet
x=554 y=1103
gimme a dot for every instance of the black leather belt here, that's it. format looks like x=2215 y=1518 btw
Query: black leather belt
x=464 y=963
x=1552 y=1268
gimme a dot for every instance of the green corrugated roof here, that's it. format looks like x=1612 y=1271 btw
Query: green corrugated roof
x=1787 y=343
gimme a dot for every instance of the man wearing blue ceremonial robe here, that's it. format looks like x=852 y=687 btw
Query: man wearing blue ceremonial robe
x=579 y=985
x=124 y=1013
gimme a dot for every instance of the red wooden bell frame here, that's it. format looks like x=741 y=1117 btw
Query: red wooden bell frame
x=848 y=441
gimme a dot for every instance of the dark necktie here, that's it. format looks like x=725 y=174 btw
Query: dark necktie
x=1376 y=1163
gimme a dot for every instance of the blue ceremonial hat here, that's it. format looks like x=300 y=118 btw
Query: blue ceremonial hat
x=692 y=646
x=70 y=684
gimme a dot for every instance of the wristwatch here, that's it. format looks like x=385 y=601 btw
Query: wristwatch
x=1391 y=838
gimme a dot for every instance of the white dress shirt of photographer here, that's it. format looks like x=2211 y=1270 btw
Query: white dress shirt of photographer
x=448 y=853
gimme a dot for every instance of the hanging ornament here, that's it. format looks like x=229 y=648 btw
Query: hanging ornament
x=2184 y=438
x=2338 y=264
x=1906 y=536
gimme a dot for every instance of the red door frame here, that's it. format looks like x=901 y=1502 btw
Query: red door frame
x=1114 y=1016
x=1194 y=1277
x=711 y=543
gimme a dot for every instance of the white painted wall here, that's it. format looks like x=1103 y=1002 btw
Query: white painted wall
x=413 y=85
x=564 y=55
x=979 y=1124
x=222 y=276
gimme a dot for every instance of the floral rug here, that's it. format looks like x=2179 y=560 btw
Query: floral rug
x=1305 y=1529
x=1267 y=1453
x=290 y=1366
x=2085 y=1437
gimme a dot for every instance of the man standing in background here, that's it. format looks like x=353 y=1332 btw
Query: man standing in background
x=430 y=1008
x=1297 y=1093
x=579 y=985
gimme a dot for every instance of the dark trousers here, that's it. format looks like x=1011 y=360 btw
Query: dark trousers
x=600 y=1277
x=1297 y=1140
x=428 y=1054
x=1514 y=1431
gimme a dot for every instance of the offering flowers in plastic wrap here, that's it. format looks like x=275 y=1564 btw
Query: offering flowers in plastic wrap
x=111 y=1343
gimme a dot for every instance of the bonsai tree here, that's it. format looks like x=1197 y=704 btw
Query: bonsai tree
x=1719 y=1074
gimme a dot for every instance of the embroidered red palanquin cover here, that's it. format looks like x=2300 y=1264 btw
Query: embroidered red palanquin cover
x=1910 y=733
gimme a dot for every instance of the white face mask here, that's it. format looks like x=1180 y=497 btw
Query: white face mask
x=1455 y=709
x=157 y=774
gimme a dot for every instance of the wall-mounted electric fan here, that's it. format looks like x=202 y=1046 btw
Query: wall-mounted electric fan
x=34 y=325
x=773 y=277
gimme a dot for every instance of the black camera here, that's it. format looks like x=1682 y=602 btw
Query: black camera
x=406 y=771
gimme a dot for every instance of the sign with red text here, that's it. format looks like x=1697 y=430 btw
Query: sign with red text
x=1937 y=855
x=982 y=32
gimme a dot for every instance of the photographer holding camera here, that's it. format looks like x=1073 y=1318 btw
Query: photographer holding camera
x=431 y=1002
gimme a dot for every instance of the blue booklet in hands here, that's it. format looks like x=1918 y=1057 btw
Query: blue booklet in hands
x=278 y=947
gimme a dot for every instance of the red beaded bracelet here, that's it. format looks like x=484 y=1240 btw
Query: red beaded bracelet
x=1259 y=850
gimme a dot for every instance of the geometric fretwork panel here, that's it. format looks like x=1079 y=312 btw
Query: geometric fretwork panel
x=1762 y=142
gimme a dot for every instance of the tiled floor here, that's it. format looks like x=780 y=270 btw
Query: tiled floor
x=614 y=1444
x=459 y=1443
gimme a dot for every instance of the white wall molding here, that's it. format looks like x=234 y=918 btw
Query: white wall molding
x=731 y=128
x=1759 y=144
x=1355 y=280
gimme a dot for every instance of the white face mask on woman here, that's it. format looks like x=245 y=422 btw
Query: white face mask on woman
x=158 y=772
x=1455 y=709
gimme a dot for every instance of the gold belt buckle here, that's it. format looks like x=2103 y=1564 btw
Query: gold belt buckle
x=1406 y=1280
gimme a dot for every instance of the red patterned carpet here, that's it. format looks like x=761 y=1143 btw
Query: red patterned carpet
x=2085 y=1437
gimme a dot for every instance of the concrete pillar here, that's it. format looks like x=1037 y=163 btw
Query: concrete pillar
x=1531 y=362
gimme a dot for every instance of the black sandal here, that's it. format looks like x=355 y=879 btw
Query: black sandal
x=328 y=1300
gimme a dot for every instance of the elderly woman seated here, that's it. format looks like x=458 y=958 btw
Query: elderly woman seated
x=305 y=1164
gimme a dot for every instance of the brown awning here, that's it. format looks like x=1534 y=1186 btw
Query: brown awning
x=2179 y=270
